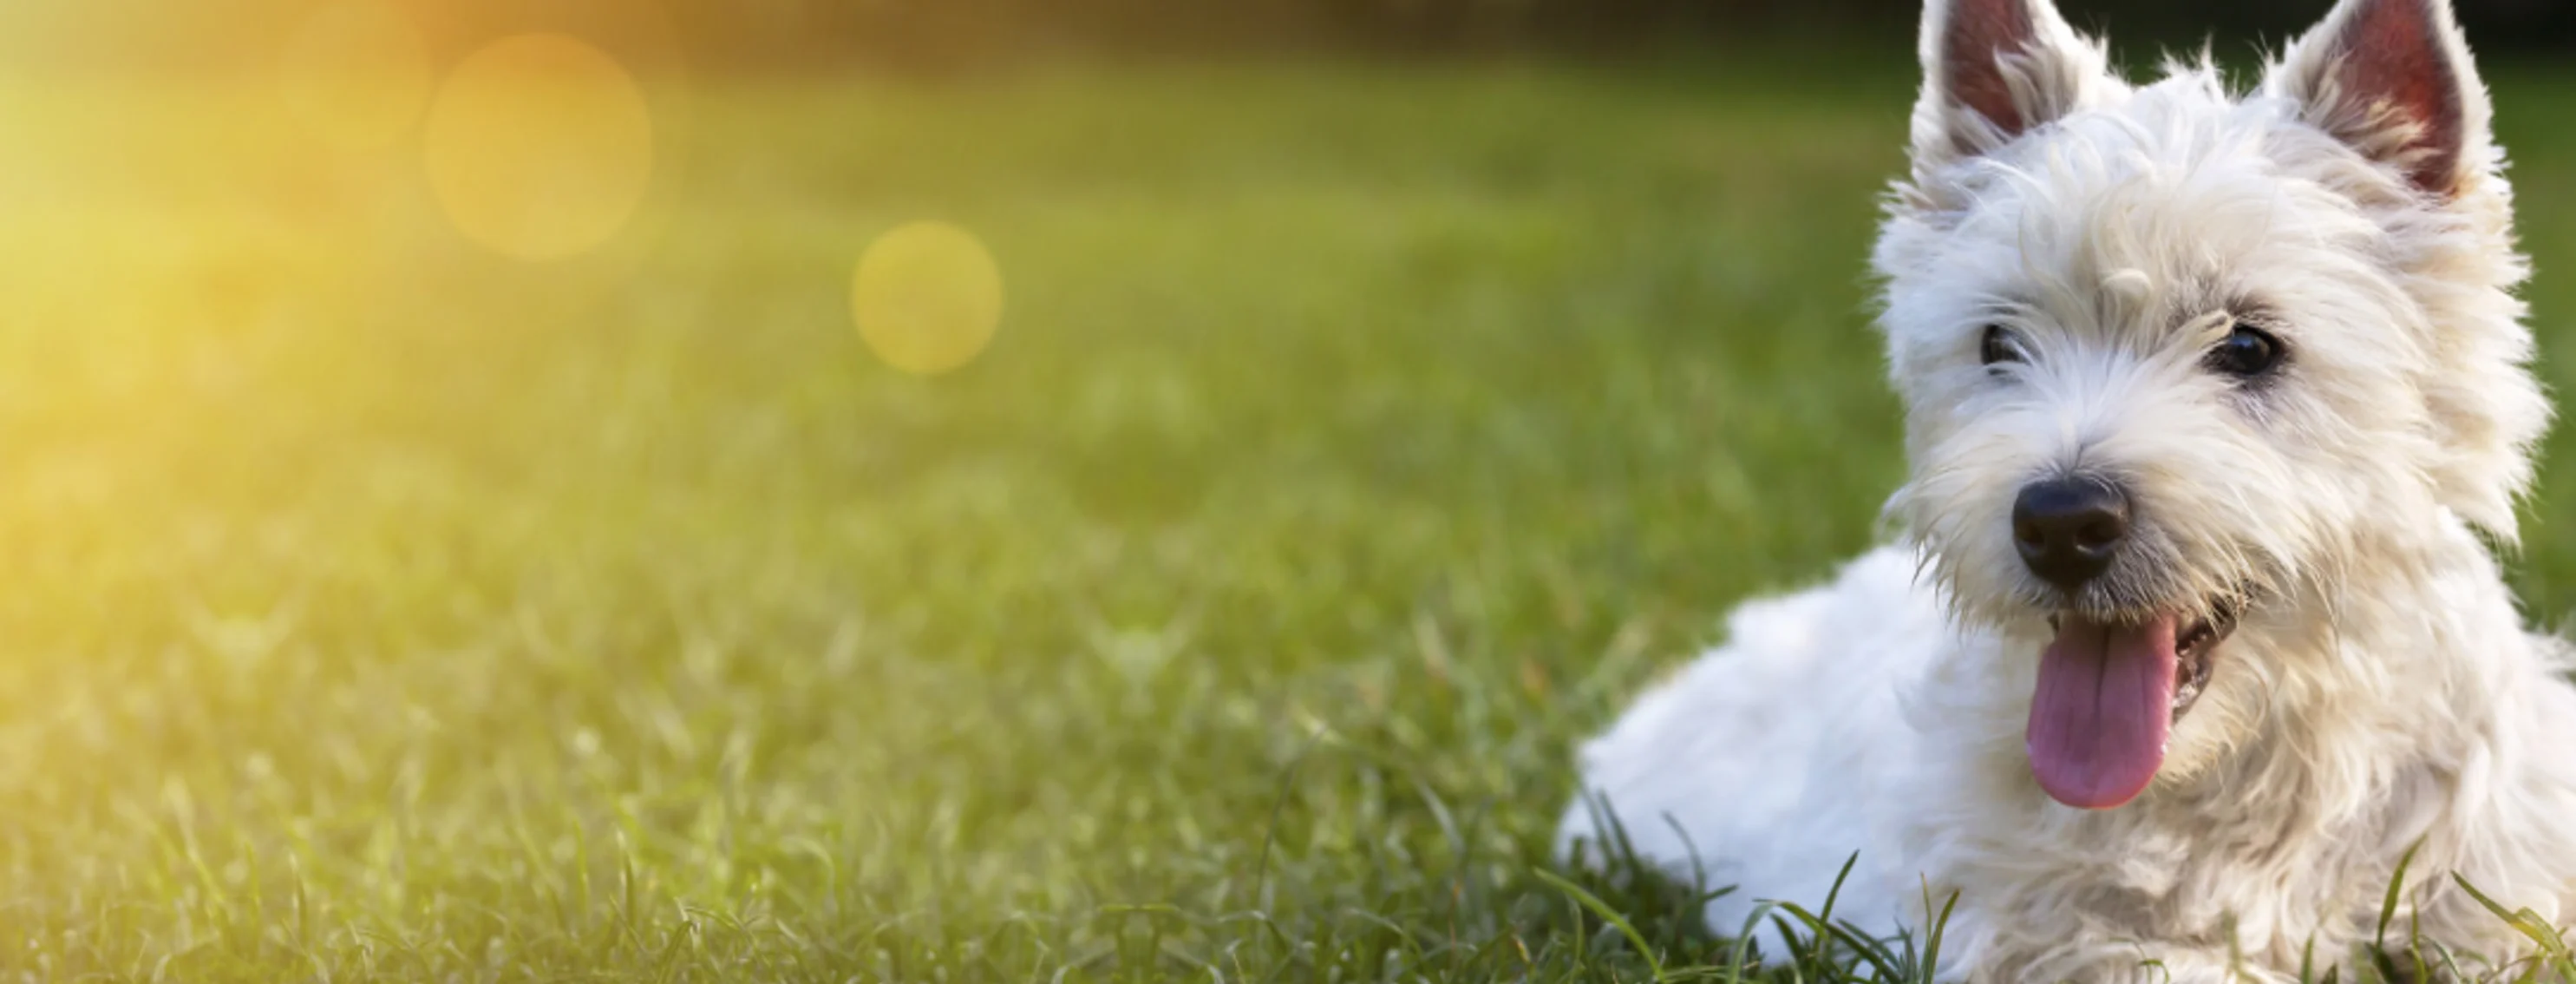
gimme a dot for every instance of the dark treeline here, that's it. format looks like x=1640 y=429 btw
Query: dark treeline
x=734 y=35
x=935 y=31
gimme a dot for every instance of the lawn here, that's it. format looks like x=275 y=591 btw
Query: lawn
x=1355 y=440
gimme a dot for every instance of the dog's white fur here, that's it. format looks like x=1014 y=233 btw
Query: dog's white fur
x=2381 y=691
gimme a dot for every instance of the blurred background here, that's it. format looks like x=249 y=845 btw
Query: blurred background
x=772 y=34
x=931 y=489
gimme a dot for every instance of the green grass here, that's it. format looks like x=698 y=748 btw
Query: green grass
x=1357 y=439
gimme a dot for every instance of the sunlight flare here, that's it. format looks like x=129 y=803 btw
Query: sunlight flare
x=928 y=297
x=540 y=147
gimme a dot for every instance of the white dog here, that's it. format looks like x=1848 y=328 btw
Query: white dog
x=2215 y=404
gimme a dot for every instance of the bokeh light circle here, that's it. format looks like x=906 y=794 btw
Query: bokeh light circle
x=928 y=297
x=539 y=147
x=356 y=74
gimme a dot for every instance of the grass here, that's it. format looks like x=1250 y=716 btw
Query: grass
x=1357 y=439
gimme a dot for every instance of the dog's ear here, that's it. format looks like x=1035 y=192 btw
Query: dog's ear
x=2393 y=79
x=1995 y=69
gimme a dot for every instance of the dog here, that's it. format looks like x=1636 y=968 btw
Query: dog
x=2217 y=411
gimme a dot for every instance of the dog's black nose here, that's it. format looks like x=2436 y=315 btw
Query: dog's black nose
x=2068 y=528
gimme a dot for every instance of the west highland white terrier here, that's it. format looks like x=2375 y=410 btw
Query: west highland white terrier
x=2216 y=405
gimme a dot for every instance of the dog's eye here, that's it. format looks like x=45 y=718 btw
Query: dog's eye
x=1998 y=347
x=2246 y=352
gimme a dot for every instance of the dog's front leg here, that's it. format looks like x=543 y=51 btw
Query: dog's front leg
x=2151 y=965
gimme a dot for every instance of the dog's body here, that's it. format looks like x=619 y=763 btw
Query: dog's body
x=1858 y=718
x=2195 y=634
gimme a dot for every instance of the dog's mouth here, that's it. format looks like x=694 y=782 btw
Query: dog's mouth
x=2195 y=653
x=2109 y=694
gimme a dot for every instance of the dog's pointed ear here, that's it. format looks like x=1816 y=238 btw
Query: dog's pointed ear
x=2393 y=79
x=1994 y=70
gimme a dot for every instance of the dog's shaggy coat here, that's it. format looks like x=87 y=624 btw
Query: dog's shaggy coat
x=2065 y=257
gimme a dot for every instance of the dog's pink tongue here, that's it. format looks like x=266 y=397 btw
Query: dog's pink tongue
x=2098 y=721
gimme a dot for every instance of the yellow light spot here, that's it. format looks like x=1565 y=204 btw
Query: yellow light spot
x=539 y=147
x=356 y=74
x=927 y=297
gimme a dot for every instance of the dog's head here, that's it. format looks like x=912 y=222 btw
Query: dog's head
x=2177 y=359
